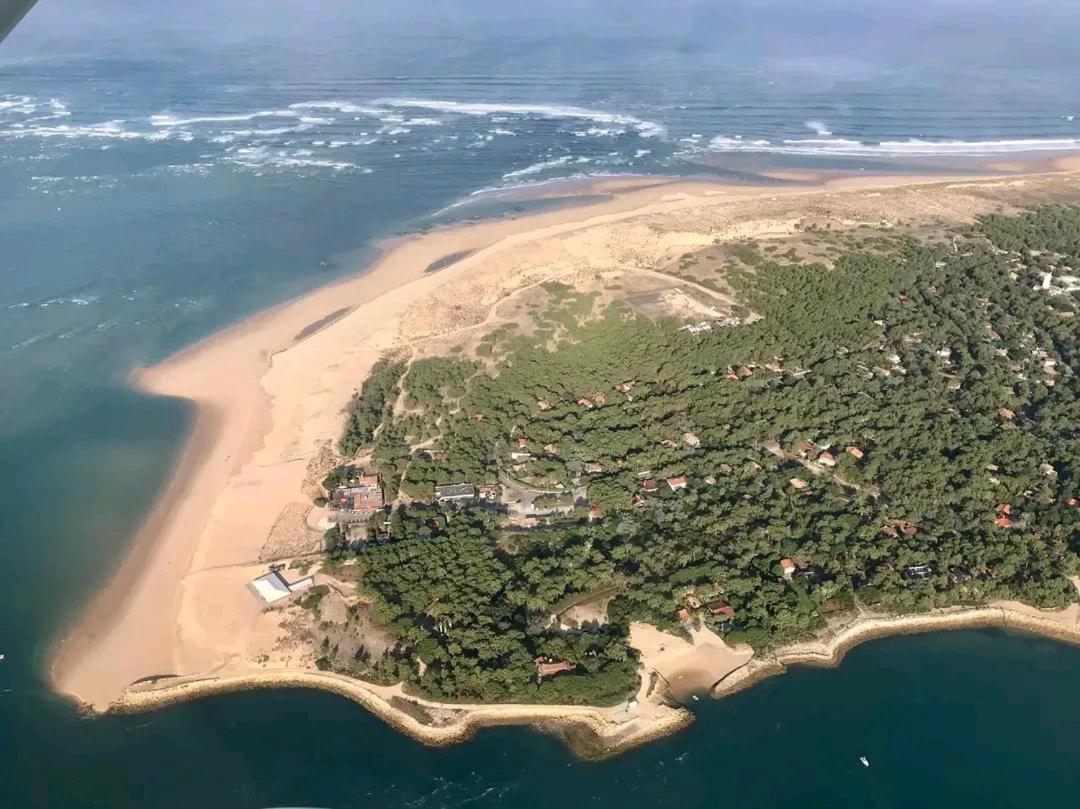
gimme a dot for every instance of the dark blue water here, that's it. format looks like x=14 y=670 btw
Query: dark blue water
x=967 y=719
x=166 y=169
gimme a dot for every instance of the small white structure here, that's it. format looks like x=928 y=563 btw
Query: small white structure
x=300 y=585
x=270 y=587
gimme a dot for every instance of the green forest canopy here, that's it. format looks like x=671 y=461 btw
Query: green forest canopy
x=949 y=372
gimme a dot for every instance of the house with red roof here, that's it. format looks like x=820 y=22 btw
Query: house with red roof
x=549 y=668
x=721 y=609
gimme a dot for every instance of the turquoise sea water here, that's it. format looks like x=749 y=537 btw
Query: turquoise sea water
x=167 y=169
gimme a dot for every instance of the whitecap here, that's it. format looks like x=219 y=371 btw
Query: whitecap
x=846 y=147
x=346 y=107
x=818 y=127
x=536 y=168
x=165 y=120
x=106 y=129
x=644 y=128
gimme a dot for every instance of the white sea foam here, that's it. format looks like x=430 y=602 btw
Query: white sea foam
x=17 y=104
x=277 y=130
x=346 y=107
x=644 y=128
x=845 y=147
x=536 y=168
x=600 y=132
x=818 y=127
x=260 y=157
x=164 y=120
x=105 y=129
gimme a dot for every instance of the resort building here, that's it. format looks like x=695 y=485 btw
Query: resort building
x=271 y=587
x=362 y=496
x=676 y=483
x=788 y=568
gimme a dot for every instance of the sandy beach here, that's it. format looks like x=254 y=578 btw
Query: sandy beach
x=268 y=397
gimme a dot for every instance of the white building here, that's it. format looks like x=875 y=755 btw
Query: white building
x=270 y=587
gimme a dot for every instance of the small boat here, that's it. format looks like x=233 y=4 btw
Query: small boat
x=696 y=697
x=865 y=761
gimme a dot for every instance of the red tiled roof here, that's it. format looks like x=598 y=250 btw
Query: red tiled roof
x=722 y=608
x=547 y=669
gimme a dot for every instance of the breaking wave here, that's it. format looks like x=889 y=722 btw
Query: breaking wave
x=818 y=127
x=644 y=128
x=845 y=147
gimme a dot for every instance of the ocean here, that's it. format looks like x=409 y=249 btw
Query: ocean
x=167 y=170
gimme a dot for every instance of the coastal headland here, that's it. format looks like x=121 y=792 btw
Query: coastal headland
x=177 y=621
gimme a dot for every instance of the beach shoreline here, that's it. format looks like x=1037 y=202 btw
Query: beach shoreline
x=595 y=733
x=267 y=392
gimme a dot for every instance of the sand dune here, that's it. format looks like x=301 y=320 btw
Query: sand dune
x=269 y=392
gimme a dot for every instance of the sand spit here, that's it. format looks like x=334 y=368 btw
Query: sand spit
x=268 y=397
